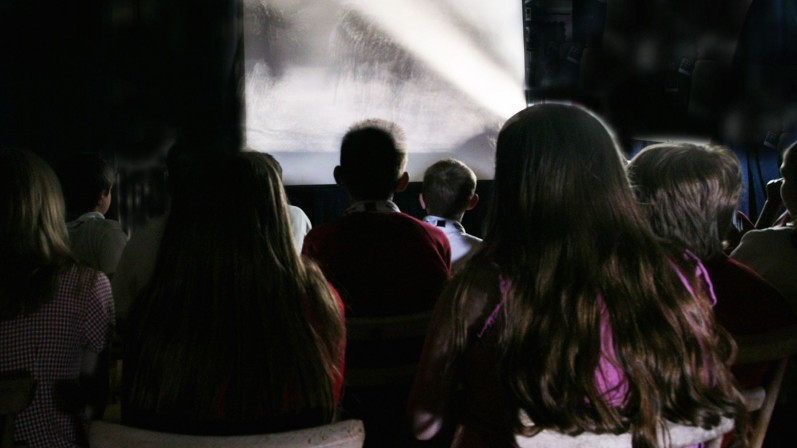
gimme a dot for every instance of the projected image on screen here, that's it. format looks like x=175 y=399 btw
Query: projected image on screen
x=448 y=72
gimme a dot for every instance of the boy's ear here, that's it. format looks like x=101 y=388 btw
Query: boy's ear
x=473 y=201
x=404 y=180
x=338 y=174
x=421 y=201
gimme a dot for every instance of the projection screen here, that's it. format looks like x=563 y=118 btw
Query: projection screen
x=449 y=72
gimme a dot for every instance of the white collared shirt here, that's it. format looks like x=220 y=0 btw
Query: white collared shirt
x=461 y=242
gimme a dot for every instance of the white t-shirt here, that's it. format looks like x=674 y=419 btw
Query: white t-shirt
x=97 y=241
x=461 y=242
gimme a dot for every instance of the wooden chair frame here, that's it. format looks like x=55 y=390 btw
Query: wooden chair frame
x=344 y=434
x=776 y=345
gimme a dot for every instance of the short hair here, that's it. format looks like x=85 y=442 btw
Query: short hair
x=689 y=193
x=83 y=178
x=372 y=158
x=448 y=186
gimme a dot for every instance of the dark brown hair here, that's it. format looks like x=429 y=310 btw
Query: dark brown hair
x=372 y=158
x=689 y=194
x=233 y=318
x=565 y=231
x=84 y=177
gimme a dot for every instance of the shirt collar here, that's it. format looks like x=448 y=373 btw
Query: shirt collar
x=83 y=218
x=444 y=223
x=384 y=206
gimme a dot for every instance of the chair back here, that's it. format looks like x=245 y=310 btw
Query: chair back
x=16 y=393
x=775 y=345
x=384 y=351
x=345 y=434
x=672 y=435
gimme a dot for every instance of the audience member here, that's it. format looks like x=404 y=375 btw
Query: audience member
x=55 y=314
x=772 y=252
x=236 y=334
x=771 y=215
x=569 y=311
x=300 y=223
x=449 y=190
x=87 y=182
x=689 y=194
x=384 y=263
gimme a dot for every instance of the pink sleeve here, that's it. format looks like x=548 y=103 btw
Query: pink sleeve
x=609 y=378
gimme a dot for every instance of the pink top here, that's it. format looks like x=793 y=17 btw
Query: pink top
x=609 y=377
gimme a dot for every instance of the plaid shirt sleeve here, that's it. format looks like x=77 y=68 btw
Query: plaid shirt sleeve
x=98 y=318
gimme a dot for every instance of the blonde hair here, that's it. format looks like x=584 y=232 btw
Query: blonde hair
x=34 y=244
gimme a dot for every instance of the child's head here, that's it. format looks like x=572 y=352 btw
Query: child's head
x=31 y=209
x=372 y=160
x=87 y=181
x=689 y=194
x=558 y=172
x=788 y=170
x=449 y=188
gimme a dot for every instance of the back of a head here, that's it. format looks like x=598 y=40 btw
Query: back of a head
x=372 y=158
x=84 y=178
x=227 y=248
x=448 y=186
x=33 y=236
x=689 y=194
x=558 y=176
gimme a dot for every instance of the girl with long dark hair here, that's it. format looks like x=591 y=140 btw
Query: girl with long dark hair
x=235 y=333
x=569 y=311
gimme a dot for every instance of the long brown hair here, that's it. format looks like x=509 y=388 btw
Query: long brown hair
x=233 y=319
x=34 y=245
x=565 y=231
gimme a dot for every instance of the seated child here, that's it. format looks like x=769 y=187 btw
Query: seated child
x=772 y=252
x=449 y=190
x=569 y=310
x=384 y=263
x=234 y=333
x=689 y=194
x=56 y=314
x=87 y=181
